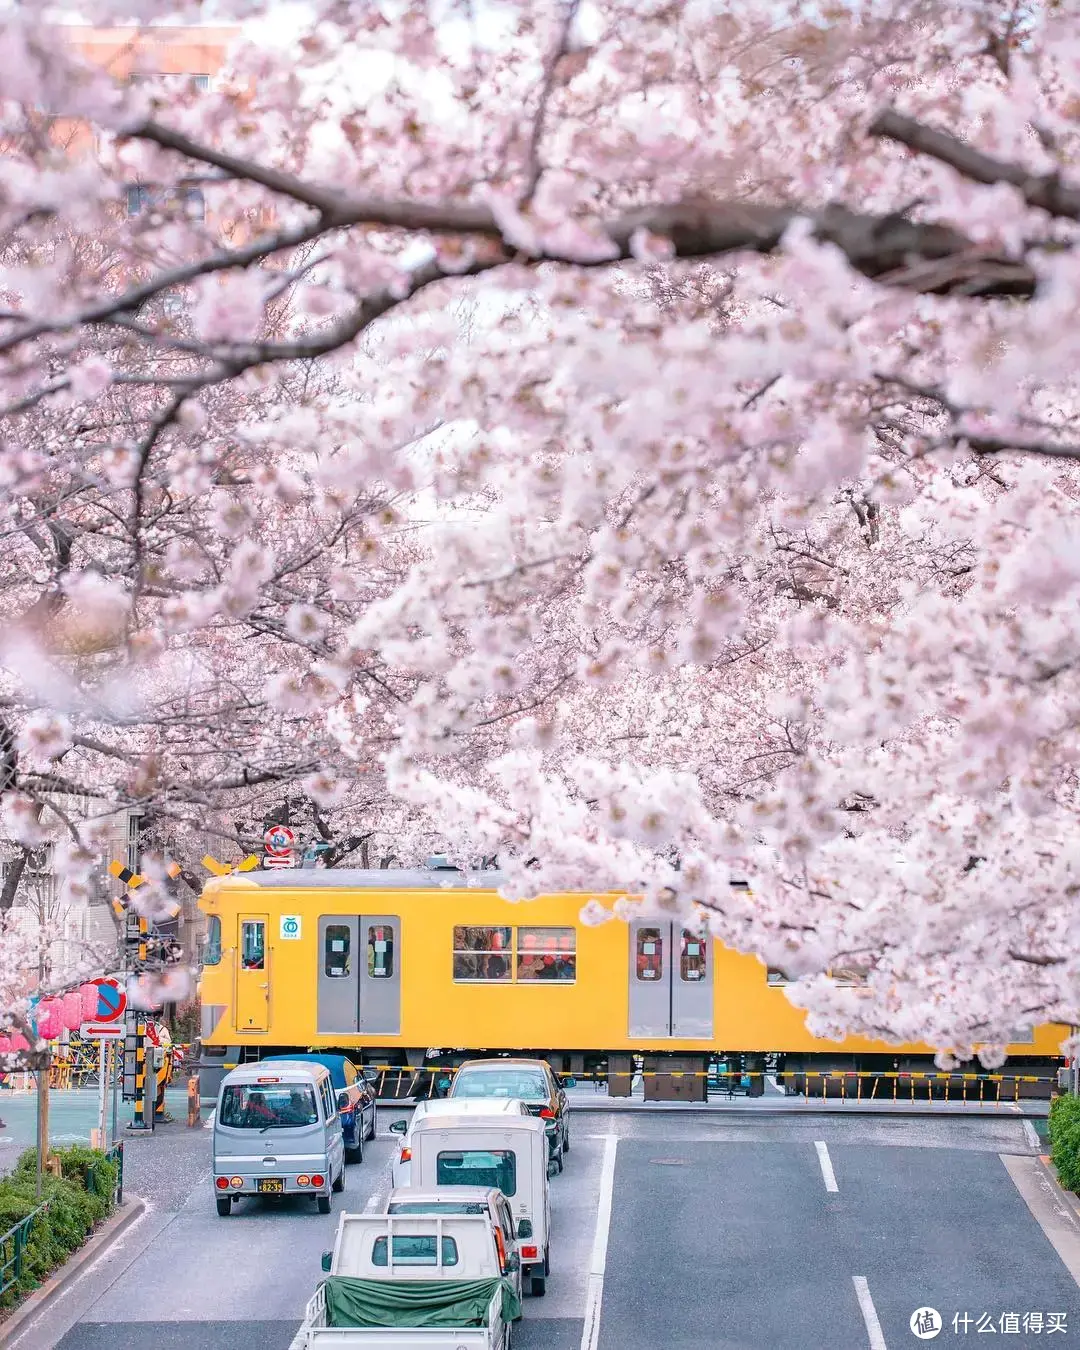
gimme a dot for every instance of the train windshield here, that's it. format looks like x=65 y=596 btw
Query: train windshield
x=525 y=1085
x=258 y=1106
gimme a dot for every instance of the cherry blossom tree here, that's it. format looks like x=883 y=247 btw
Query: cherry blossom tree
x=732 y=539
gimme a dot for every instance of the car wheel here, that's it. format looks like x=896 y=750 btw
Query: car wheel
x=324 y=1203
x=355 y=1155
x=538 y=1286
x=566 y=1139
x=547 y=1262
x=339 y=1184
x=224 y=1205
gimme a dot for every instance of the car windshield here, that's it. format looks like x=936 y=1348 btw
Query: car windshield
x=526 y=1084
x=262 y=1106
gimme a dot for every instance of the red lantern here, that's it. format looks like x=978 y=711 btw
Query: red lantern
x=49 y=1019
x=71 y=1010
x=89 y=996
x=19 y=1042
x=5 y=1045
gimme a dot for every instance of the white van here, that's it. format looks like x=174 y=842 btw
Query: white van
x=505 y=1152
x=277 y=1132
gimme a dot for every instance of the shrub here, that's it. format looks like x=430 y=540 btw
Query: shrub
x=1064 y=1114
x=76 y=1201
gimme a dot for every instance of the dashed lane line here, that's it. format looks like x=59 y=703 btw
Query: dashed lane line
x=826 y=1165
x=594 y=1294
x=869 y=1313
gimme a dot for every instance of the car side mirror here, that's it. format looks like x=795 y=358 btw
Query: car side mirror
x=399 y=1127
x=513 y=1263
x=343 y=1101
x=568 y=1082
x=327 y=1261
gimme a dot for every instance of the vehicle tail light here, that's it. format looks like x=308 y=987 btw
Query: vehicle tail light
x=222 y=1183
x=530 y=1253
x=547 y=1113
x=236 y=1181
x=302 y=1181
x=317 y=1180
x=405 y=1155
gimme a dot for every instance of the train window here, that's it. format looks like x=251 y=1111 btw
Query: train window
x=650 y=954
x=338 y=942
x=380 y=951
x=692 y=961
x=212 y=949
x=482 y=953
x=546 y=954
x=777 y=976
x=253 y=944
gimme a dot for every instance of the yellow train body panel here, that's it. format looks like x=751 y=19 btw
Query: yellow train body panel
x=277 y=942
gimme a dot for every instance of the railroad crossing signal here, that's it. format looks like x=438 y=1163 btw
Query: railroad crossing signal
x=133 y=880
x=221 y=869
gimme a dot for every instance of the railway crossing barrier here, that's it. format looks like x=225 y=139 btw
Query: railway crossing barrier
x=844 y=1085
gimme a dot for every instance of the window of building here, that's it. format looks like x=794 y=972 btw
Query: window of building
x=491 y=1168
x=253 y=944
x=212 y=950
x=482 y=953
x=650 y=954
x=777 y=977
x=415 y=1251
x=380 y=951
x=338 y=942
x=546 y=954
x=693 y=957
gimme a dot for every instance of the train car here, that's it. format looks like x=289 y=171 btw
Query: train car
x=392 y=966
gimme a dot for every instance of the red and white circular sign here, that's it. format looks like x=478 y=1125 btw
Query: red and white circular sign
x=279 y=839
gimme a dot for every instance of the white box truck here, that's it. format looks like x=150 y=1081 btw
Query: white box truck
x=509 y=1153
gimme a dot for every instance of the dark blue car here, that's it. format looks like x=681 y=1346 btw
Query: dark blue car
x=358 y=1118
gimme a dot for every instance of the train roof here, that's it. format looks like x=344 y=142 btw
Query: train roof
x=385 y=878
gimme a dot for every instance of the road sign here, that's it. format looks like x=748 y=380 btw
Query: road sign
x=279 y=839
x=112 y=1000
x=102 y=1031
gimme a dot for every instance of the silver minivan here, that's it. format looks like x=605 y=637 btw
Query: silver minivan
x=276 y=1132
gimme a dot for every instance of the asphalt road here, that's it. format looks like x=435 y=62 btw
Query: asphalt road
x=723 y=1233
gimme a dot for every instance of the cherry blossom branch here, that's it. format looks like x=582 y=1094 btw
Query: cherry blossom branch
x=1045 y=191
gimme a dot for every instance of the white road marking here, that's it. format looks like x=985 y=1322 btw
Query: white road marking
x=826 y=1165
x=374 y=1202
x=594 y=1294
x=1031 y=1136
x=869 y=1312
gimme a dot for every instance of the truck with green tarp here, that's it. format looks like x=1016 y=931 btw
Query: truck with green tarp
x=413 y=1282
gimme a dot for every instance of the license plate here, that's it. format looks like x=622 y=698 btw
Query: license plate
x=273 y=1184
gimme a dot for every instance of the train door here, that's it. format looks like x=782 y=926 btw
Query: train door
x=252 y=974
x=671 y=989
x=359 y=975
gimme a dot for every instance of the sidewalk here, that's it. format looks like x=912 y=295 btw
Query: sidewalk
x=73 y=1113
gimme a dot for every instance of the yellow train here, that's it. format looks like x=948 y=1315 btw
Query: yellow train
x=421 y=968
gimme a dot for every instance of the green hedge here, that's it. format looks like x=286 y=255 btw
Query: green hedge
x=1065 y=1139
x=77 y=1200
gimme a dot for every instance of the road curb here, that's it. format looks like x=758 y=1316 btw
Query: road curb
x=36 y=1303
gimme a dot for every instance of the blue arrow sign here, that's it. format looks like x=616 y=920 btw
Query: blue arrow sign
x=111 y=1001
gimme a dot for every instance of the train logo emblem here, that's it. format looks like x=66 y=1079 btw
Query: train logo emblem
x=290 y=925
